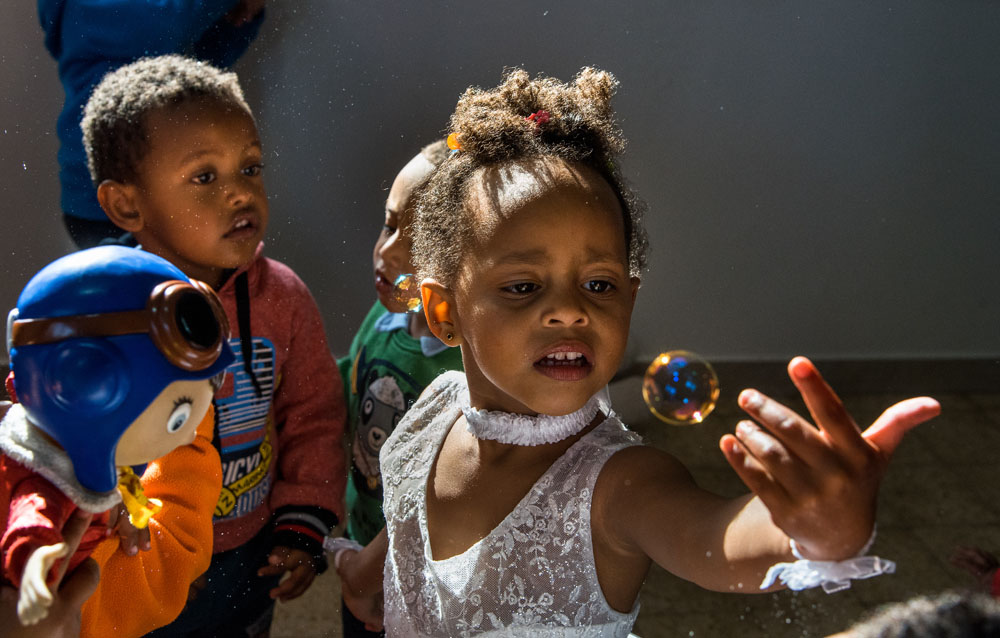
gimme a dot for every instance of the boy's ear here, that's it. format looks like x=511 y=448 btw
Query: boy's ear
x=118 y=201
x=438 y=309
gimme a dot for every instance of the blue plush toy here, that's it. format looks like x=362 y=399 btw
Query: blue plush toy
x=112 y=352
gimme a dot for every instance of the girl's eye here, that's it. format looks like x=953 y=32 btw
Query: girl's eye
x=522 y=288
x=182 y=410
x=204 y=178
x=598 y=285
x=253 y=170
x=388 y=230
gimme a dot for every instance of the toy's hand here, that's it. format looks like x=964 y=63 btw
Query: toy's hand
x=820 y=483
x=299 y=566
x=131 y=540
x=63 y=620
x=35 y=598
x=366 y=607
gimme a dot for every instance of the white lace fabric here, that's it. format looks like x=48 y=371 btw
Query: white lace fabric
x=534 y=575
x=522 y=429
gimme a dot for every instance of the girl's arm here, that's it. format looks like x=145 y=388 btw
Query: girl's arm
x=815 y=484
x=647 y=507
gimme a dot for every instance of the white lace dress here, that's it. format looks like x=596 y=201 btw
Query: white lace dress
x=533 y=575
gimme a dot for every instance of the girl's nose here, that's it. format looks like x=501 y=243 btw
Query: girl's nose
x=566 y=309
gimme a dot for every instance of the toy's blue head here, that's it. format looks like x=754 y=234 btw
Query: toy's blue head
x=96 y=336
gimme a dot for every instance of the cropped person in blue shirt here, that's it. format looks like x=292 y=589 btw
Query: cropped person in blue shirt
x=89 y=39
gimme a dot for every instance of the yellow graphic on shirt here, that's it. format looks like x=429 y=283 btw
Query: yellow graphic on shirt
x=231 y=492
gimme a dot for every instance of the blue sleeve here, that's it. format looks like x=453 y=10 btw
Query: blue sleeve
x=128 y=29
x=222 y=44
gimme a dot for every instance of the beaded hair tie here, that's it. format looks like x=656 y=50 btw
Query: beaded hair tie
x=539 y=118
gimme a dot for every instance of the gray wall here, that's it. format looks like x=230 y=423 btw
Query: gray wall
x=823 y=178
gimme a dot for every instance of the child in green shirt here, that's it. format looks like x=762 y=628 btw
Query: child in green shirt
x=392 y=358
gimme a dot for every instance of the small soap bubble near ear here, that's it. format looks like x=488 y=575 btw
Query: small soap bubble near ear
x=407 y=292
x=680 y=387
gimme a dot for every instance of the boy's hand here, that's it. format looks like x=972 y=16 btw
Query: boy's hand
x=199 y=584
x=299 y=566
x=820 y=483
x=366 y=607
x=131 y=540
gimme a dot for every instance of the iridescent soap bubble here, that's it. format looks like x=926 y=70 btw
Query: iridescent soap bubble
x=407 y=292
x=680 y=387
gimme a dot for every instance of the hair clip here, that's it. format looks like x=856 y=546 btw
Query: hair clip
x=453 y=143
x=539 y=118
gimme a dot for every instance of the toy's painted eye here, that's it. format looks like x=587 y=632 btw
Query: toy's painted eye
x=180 y=415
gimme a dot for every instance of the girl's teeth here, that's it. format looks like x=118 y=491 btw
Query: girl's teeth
x=564 y=356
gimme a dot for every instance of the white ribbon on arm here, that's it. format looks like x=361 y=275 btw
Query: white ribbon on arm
x=337 y=546
x=834 y=576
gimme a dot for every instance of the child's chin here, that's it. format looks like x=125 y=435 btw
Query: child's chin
x=391 y=304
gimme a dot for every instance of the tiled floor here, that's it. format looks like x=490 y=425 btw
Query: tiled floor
x=942 y=490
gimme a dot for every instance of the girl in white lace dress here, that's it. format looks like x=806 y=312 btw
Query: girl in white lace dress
x=501 y=520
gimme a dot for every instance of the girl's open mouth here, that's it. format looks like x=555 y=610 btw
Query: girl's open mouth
x=382 y=284
x=564 y=366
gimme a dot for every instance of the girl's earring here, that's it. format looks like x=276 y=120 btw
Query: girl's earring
x=449 y=337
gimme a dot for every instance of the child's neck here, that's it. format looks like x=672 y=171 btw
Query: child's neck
x=221 y=280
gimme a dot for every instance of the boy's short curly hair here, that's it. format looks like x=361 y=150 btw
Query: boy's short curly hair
x=113 y=124
x=492 y=129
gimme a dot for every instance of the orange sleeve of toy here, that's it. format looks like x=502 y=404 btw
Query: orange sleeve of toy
x=140 y=593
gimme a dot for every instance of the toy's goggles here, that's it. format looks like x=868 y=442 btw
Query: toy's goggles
x=185 y=321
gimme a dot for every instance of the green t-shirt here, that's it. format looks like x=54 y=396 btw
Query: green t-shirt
x=384 y=374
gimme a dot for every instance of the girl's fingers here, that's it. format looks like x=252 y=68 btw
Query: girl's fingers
x=832 y=418
x=888 y=430
x=753 y=473
x=826 y=408
x=785 y=425
x=778 y=459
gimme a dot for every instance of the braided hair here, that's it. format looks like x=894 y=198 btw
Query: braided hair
x=521 y=119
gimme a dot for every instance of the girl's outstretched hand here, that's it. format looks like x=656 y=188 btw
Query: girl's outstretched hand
x=820 y=483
